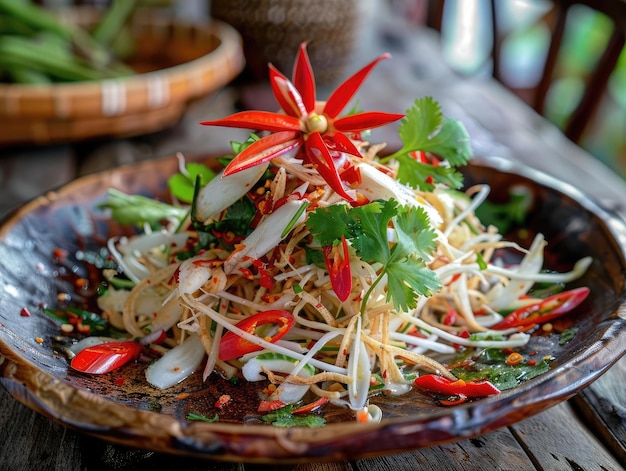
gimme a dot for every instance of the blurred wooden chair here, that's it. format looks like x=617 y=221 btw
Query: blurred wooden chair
x=556 y=18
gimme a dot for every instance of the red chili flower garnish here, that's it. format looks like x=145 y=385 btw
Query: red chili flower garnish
x=316 y=132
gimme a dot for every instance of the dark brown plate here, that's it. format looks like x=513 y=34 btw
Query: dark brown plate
x=130 y=412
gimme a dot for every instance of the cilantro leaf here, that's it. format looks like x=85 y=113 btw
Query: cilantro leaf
x=416 y=174
x=567 y=335
x=329 y=224
x=366 y=228
x=406 y=280
x=414 y=234
x=371 y=241
x=310 y=421
x=284 y=417
x=425 y=128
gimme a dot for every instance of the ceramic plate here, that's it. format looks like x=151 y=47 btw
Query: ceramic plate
x=125 y=409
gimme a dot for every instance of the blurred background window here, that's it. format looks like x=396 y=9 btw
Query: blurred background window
x=524 y=32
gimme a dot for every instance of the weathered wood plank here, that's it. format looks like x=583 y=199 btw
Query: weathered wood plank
x=484 y=452
x=603 y=408
x=558 y=440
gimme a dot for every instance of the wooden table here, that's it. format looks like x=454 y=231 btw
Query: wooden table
x=587 y=432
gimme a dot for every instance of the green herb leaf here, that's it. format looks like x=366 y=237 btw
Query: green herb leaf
x=138 y=210
x=502 y=375
x=425 y=128
x=283 y=417
x=97 y=324
x=507 y=215
x=567 y=335
x=424 y=176
x=202 y=418
x=182 y=185
x=365 y=227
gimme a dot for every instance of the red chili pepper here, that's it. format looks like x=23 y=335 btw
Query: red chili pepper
x=450 y=317
x=310 y=407
x=453 y=400
x=268 y=406
x=266 y=280
x=545 y=310
x=233 y=346
x=351 y=175
x=105 y=357
x=338 y=266
x=303 y=128
x=440 y=385
x=222 y=401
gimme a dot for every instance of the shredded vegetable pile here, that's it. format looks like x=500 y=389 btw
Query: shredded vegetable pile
x=320 y=266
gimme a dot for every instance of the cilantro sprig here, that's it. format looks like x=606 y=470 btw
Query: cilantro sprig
x=284 y=417
x=425 y=128
x=402 y=261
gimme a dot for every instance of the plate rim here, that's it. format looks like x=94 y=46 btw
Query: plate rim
x=296 y=445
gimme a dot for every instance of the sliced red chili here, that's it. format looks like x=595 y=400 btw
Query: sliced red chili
x=105 y=357
x=338 y=266
x=440 y=385
x=268 y=406
x=266 y=280
x=453 y=400
x=545 y=310
x=233 y=346
x=311 y=406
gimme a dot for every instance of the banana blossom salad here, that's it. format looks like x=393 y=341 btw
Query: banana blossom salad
x=322 y=269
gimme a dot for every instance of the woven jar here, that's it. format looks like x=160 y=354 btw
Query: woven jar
x=272 y=31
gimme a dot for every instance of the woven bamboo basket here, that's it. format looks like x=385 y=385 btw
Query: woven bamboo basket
x=176 y=64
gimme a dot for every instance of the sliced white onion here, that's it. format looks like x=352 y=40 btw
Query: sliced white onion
x=167 y=315
x=359 y=369
x=500 y=298
x=378 y=185
x=177 y=364
x=289 y=392
x=191 y=277
x=221 y=192
x=266 y=236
